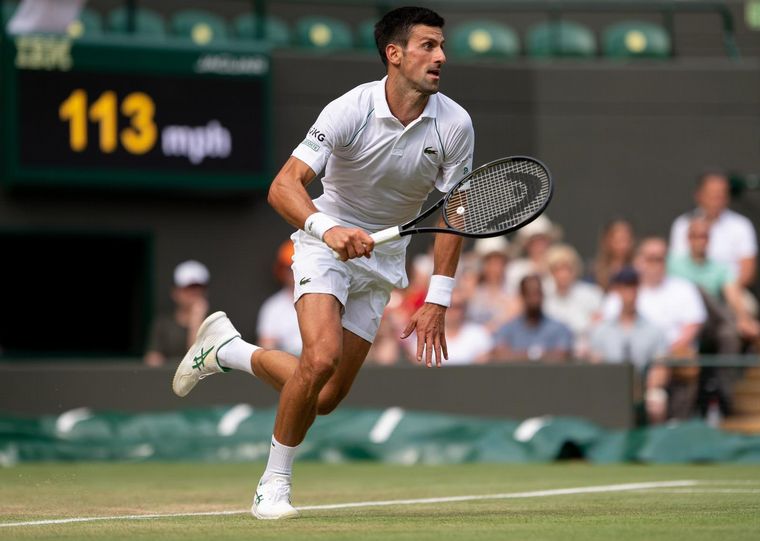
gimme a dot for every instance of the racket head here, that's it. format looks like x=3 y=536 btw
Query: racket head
x=498 y=197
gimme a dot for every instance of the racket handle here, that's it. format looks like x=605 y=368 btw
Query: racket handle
x=386 y=235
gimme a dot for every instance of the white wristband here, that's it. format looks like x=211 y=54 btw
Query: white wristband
x=317 y=225
x=440 y=290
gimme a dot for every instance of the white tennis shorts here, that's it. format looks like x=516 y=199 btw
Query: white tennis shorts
x=363 y=286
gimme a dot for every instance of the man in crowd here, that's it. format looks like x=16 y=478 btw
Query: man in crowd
x=533 y=336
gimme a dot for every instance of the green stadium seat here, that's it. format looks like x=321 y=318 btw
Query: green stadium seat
x=148 y=23
x=89 y=23
x=323 y=33
x=560 y=39
x=200 y=26
x=365 y=35
x=483 y=38
x=276 y=30
x=636 y=39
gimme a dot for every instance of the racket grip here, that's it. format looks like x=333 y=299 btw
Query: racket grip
x=386 y=235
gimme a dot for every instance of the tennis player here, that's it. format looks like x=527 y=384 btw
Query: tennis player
x=383 y=147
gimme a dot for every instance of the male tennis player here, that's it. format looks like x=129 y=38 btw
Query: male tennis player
x=383 y=146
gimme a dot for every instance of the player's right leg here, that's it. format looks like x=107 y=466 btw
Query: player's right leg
x=319 y=318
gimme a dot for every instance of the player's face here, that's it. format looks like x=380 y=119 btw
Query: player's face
x=423 y=57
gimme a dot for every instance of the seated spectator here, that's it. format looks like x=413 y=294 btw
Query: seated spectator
x=466 y=342
x=570 y=301
x=631 y=338
x=675 y=306
x=728 y=320
x=532 y=241
x=718 y=284
x=277 y=325
x=172 y=334
x=671 y=303
x=614 y=253
x=533 y=336
x=489 y=304
x=628 y=337
x=733 y=239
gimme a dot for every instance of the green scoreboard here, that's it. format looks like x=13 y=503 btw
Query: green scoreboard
x=120 y=113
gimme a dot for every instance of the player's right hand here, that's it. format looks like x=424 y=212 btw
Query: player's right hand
x=349 y=242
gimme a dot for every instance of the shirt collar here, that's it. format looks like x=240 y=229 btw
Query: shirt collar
x=381 y=104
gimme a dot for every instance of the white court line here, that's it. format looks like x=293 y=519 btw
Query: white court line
x=504 y=496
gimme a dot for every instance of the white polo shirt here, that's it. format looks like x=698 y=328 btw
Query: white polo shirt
x=732 y=238
x=671 y=305
x=378 y=172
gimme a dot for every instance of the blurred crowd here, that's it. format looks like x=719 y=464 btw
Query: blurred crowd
x=532 y=297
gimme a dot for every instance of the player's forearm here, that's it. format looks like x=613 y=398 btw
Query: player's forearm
x=446 y=252
x=288 y=195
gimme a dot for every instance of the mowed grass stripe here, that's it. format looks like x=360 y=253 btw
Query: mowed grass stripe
x=416 y=501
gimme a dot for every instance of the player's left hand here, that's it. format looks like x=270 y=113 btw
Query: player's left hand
x=429 y=321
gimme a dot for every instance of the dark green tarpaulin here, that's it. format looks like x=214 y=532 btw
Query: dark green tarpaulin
x=241 y=433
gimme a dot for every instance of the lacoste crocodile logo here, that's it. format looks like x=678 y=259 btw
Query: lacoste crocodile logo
x=430 y=150
x=304 y=281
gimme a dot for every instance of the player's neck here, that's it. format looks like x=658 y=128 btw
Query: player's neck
x=405 y=103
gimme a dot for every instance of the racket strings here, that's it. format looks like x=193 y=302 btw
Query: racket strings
x=499 y=197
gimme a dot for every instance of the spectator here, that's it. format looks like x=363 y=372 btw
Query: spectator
x=277 y=325
x=675 y=306
x=716 y=280
x=533 y=240
x=570 y=301
x=614 y=253
x=728 y=319
x=172 y=334
x=533 y=336
x=466 y=342
x=489 y=303
x=671 y=303
x=631 y=338
x=733 y=239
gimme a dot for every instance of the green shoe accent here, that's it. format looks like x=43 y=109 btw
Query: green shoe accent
x=224 y=368
x=200 y=360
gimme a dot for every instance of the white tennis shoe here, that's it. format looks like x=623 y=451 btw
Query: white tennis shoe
x=272 y=499
x=201 y=360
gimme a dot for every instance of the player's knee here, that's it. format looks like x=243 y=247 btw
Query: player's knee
x=319 y=367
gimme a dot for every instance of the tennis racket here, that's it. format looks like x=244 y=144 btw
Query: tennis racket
x=494 y=199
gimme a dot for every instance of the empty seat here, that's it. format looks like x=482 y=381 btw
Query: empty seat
x=560 y=39
x=636 y=39
x=365 y=35
x=200 y=26
x=88 y=23
x=276 y=31
x=148 y=23
x=323 y=33
x=484 y=39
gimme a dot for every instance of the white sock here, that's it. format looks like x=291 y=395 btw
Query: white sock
x=237 y=354
x=280 y=460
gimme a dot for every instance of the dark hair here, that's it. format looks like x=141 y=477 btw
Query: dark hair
x=396 y=25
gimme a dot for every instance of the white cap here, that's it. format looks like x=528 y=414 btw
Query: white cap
x=491 y=245
x=540 y=226
x=190 y=273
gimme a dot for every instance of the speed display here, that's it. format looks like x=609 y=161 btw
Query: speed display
x=94 y=113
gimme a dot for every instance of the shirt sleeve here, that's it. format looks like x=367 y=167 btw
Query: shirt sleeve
x=746 y=240
x=332 y=130
x=690 y=302
x=678 y=235
x=458 y=160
